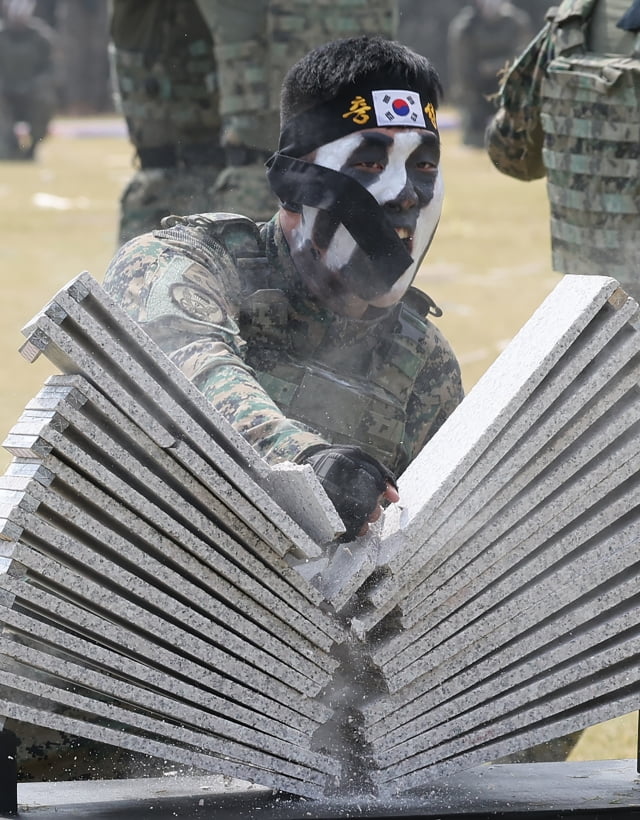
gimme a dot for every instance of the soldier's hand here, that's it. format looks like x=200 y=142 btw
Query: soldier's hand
x=355 y=482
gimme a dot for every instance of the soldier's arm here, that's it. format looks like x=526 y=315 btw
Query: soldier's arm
x=183 y=297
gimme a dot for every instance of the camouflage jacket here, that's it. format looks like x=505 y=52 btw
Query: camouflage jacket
x=224 y=301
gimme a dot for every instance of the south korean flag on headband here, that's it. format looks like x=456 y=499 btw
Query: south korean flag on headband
x=398 y=108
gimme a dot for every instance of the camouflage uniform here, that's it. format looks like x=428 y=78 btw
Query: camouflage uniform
x=162 y=54
x=589 y=114
x=225 y=302
x=479 y=47
x=199 y=84
x=27 y=89
x=256 y=42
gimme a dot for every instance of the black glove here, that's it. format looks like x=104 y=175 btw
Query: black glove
x=353 y=480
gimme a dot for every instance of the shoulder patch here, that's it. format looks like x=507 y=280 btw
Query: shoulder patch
x=198 y=304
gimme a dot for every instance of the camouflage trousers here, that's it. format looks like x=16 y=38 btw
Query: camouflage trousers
x=46 y=755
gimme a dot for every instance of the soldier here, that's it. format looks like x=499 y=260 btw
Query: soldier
x=483 y=37
x=582 y=98
x=27 y=89
x=305 y=333
x=199 y=83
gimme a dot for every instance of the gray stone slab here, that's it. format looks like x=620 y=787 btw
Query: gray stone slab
x=91 y=415
x=219 y=736
x=300 y=493
x=163 y=591
x=446 y=767
x=534 y=684
x=502 y=566
x=101 y=614
x=83 y=331
x=441 y=476
x=552 y=501
x=520 y=730
x=347 y=569
x=194 y=580
x=514 y=728
x=579 y=572
x=478 y=486
x=511 y=568
x=157 y=501
x=146 y=713
x=565 y=639
x=556 y=448
x=181 y=464
x=215 y=549
x=238 y=727
x=57 y=643
x=148 y=745
x=533 y=653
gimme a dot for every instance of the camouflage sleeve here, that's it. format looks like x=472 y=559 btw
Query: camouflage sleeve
x=514 y=144
x=185 y=300
x=437 y=393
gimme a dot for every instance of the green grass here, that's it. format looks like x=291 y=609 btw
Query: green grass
x=488 y=268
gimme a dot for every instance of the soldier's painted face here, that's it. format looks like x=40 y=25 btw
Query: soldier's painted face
x=399 y=167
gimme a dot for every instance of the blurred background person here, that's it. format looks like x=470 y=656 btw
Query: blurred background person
x=198 y=82
x=28 y=94
x=482 y=39
x=82 y=30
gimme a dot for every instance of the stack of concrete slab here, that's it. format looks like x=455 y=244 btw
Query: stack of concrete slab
x=157 y=595
x=147 y=595
x=506 y=607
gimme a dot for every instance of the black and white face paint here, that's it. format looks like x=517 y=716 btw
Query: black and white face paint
x=400 y=169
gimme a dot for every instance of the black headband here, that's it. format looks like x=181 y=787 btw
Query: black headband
x=354 y=112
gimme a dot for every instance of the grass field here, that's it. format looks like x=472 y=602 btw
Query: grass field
x=488 y=268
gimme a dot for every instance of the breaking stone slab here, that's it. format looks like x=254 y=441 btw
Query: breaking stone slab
x=105 y=468
x=83 y=330
x=576 y=306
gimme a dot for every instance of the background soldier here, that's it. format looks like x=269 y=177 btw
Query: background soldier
x=588 y=121
x=199 y=84
x=166 y=78
x=483 y=37
x=27 y=87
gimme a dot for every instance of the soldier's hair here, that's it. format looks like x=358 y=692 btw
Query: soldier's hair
x=344 y=66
